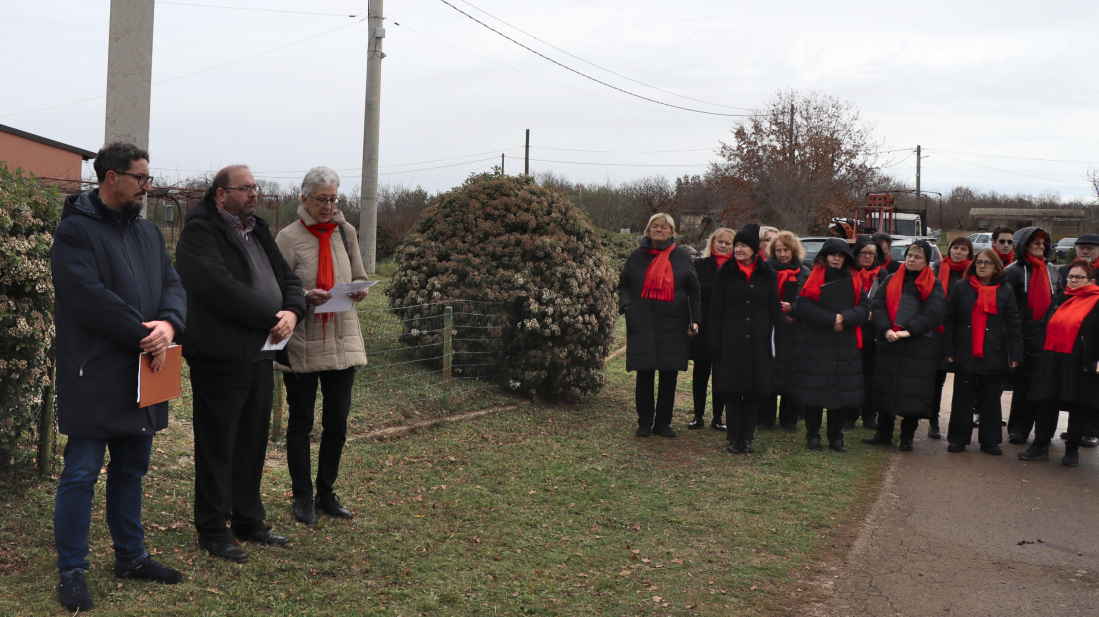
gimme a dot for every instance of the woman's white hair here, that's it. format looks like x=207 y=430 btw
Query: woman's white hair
x=319 y=178
x=660 y=215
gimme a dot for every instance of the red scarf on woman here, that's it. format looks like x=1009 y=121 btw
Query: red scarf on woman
x=1065 y=324
x=659 y=278
x=811 y=290
x=326 y=273
x=868 y=275
x=747 y=270
x=1039 y=295
x=786 y=276
x=982 y=308
x=721 y=259
x=946 y=268
x=925 y=284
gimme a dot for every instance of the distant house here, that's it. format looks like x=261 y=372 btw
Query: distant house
x=43 y=157
x=1060 y=222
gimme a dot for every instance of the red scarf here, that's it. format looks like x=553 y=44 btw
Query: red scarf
x=1065 y=324
x=868 y=275
x=982 y=308
x=721 y=259
x=946 y=268
x=326 y=273
x=925 y=284
x=1039 y=294
x=1008 y=259
x=747 y=270
x=786 y=276
x=811 y=290
x=659 y=278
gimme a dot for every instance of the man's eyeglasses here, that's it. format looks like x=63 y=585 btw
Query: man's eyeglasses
x=984 y=263
x=1008 y=241
x=335 y=201
x=243 y=189
x=142 y=179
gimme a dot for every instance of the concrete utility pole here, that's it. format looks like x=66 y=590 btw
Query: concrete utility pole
x=917 y=177
x=502 y=164
x=368 y=198
x=129 y=73
x=526 y=156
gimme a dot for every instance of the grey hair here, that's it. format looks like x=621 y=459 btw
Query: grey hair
x=319 y=178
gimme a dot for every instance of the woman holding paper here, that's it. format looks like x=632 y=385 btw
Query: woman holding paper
x=325 y=348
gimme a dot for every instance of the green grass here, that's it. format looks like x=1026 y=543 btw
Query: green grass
x=553 y=509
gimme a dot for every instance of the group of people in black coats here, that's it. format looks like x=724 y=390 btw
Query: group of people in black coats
x=861 y=335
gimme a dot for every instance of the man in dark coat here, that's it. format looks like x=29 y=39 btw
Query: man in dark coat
x=117 y=296
x=1019 y=275
x=240 y=294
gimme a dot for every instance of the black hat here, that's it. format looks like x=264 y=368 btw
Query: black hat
x=749 y=235
x=1087 y=239
x=924 y=246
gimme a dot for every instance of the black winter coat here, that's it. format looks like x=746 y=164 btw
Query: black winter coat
x=109 y=276
x=229 y=322
x=904 y=371
x=786 y=334
x=706 y=270
x=1017 y=275
x=828 y=366
x=1003 y=333
x=656 y=331
x=743 y=317
x=1069 y=378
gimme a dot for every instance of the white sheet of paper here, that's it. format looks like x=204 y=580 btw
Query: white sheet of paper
x=269 y=346
x=340 y=300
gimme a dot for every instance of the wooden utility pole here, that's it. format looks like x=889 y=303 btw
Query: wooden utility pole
x=368 y=196
x=791 y=133
x=918 y=178
x=526 y=156
x=501 y=163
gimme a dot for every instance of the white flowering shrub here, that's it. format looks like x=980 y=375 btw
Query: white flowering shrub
x=29 y=213
x=506 y=239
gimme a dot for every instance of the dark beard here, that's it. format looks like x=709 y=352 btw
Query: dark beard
x=129 y=210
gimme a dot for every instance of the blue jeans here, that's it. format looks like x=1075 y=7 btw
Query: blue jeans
x=72 y=513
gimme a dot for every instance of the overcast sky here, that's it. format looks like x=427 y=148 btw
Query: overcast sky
x=982 y=86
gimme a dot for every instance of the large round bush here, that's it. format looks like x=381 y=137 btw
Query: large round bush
x=506 y=239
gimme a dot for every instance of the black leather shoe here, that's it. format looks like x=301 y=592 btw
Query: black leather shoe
x=1035 y=453
x=1089 y=442
x=747 y=447
x=664 y=431
x=696 y=424
x=1016 y=439
x=907 y=445
x=72 y=591
x=643 y=431
x=837 y=445
x=262 y=535
x=734 y=447
x=933 y=430
x=147 y=569
x=813 y=444
x=304 y=512
x=955 y=447
x=877 y=439
x=992 y=449
x=718 y=426
x=1071 y=458
x=223 y=550
x=330 y=505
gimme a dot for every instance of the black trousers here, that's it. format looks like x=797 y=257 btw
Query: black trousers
x=866 y=412
x=301 y=399
x=1080 y=423
x=785 y=408
x=887 y=422
x=968 y=389
x=741 y=412
x=1023 y=411
x=231 y=420
x=665 y=400
x=700 y=382
x=940 y=381
x=814 y=417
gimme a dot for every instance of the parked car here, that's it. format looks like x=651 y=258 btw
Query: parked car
x=900 y=245
x=812 y=247
x=1063 y=246
x=981 y=241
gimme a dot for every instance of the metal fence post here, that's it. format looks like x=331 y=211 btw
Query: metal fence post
x=448 y=353
x=45 y=425
x=276 y=422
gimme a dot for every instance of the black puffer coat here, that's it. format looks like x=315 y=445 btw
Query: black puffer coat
x=1003 y=334
x=1069 y=378
x=706 y=269
x=110 y=275
x=656 y=331
x=743 y=317
x=904 y=373
x=828 y=366
x=1017 y=275
x=786 y=334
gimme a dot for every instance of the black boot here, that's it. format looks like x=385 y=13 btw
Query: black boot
x=933 y=430
x=747 y=448
x=1035 y=453
x=837 y=445
x=878 y=439
x=813 y=444
x=907 y=444
x=696 y=424
x=1072 y=456
x=734 y=447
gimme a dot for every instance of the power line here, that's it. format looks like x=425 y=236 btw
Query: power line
x=600 y=67
x=603 y=83
x=519 y=158
x=623 y=151
x=1021 y=158
x=1009 y=172
x=245 y=8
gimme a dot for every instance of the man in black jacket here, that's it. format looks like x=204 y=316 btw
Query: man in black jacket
x=241 y=294
x=117 y=296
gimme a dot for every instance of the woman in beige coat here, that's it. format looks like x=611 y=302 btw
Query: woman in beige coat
x=323 y=250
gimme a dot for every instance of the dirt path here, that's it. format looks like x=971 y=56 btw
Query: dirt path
x=974 y=534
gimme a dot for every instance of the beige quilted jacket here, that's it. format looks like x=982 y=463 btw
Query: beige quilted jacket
x=341 y=344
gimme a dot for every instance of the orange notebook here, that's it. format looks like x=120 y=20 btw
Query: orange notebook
x=163 y=385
